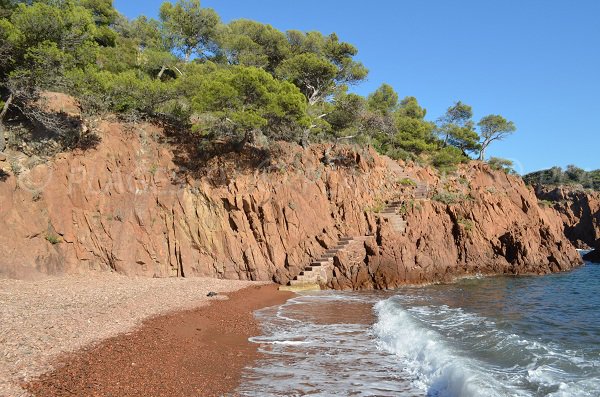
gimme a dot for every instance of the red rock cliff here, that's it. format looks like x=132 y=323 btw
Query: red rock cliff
x=127 y=207
x=480 y=222
x=579 y=211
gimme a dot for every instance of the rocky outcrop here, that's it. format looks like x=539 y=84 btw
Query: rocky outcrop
x=593 y=256
x=131 y=206
x=489 y=223
x=579 y=211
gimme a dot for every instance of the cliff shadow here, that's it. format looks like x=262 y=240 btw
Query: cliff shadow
x=219 y=161
x=36 y=132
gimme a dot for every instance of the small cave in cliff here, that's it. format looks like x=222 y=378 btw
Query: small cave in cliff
x=510 y=248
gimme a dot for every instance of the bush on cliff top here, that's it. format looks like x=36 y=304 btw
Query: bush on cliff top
x=572 y=176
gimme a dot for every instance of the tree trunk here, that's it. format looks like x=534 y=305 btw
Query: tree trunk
x=2 y=130
x=249 y=137
x=162 y=71
x=482 y=153
x=304 y=141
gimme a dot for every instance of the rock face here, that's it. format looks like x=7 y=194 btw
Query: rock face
x=593 y=256
x=492 y=225
x=580 y=213
x=130 y=206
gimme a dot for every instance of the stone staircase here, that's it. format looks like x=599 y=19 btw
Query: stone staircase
x=421 y=191
x=390 y=213
x=316 y=272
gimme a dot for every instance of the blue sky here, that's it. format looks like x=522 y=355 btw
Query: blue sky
x=535 y=62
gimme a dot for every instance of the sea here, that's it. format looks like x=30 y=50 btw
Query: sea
x=481 y=336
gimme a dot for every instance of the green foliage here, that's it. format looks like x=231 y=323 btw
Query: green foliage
x=251 y=43
x=347 y=112
x=575 y=174
x=466 y=224
x=446 y=159
x=413 y=133
x=572 y=176
x=7 y=7
x=314 y=75
x=410 y=108
x=377 y=207
x=53 y=238
x=384 y=100
x=493 y=128
x=545 y=203
x=457 y=129
x=408 y=134
x=320 y=65
x=498 y=164
x=123 y=92
x=15 y=167
x=104 y=16
x=242 y=100
x=66 y=24
x=407 y=182
x=448 y=198
x=240 y=82
x=190 y=29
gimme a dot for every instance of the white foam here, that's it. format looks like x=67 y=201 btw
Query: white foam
x=438 y=350
x=303 y=357
x=439 y=344
x=440 y=371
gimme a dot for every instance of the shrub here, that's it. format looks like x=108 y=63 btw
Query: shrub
x=545 y=203
x=378 y=207
x=497 y=163
x=407 y=182
x=466 y=224
x=15 y=167
x=447 y=159
x=449 y=198
x=53 y=239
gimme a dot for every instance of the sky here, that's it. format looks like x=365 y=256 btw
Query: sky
x=536 y=62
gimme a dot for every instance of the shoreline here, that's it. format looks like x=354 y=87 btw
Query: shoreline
x=197 y=352
x=41 y=321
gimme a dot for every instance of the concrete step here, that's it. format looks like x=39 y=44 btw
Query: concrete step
x=301 y=287
x=296 y=283
x=319 y=263
x=341 y=244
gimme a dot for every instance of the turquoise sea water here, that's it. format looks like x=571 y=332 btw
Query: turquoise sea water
x=500 y=336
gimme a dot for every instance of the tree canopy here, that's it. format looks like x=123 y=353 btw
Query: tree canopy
x=218 y=81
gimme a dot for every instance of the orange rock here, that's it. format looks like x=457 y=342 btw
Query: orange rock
x=128 y=206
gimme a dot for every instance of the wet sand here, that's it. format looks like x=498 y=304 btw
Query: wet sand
x=199 y=352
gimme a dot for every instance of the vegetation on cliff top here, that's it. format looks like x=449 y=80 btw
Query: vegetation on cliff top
x=572 y=176
x=243 y=82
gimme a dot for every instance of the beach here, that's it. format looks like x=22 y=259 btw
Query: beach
x=120 y=336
